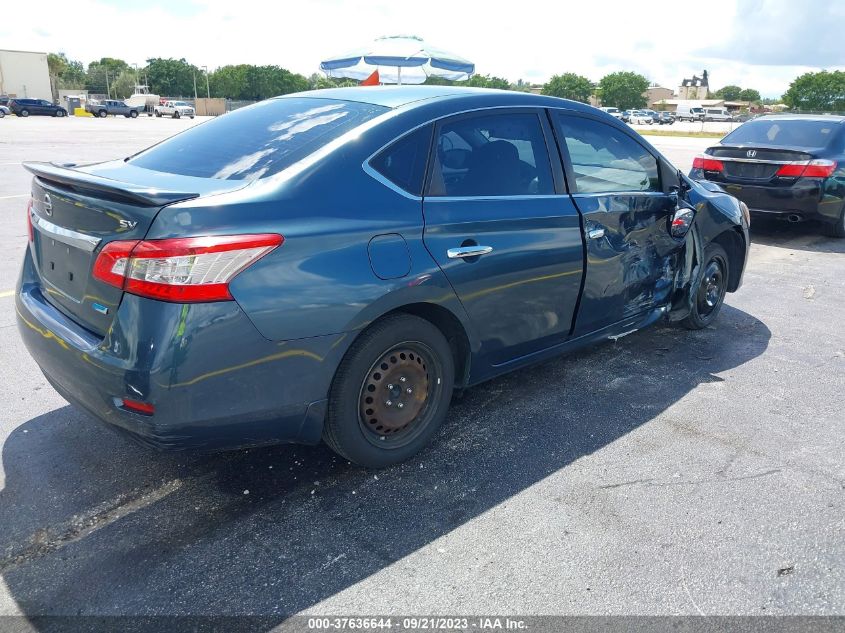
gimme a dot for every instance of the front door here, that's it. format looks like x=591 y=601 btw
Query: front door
x=500 y=226
x=616 y=185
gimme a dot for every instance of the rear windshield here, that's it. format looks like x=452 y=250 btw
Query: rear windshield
x=784 y=133
x=257 y=141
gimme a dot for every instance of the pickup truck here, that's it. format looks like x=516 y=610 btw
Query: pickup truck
x=174 y=109
x=109 y=106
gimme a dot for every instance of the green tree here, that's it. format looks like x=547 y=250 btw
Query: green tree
x=749 y=94
x=824 y=91
x=123 y=85
x=173 y=77
x=729 y=93
x=249 y=82
x=569 y=86
x=624 y=90
x=486 y=81
x=64 y=73
x=101 y=73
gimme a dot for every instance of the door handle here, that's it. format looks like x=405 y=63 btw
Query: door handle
x=595 y=233
x=468 y=251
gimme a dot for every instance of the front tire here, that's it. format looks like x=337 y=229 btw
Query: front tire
x=391 y=392
x=176 y=115
x=709 y=295
x=133 y=114
x=24 y=113
x=158 y=114
x=102 y=114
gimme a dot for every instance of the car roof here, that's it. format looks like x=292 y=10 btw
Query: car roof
x=804 y=117
x=399 y=96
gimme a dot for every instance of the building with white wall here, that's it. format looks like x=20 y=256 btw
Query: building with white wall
x=25 y=74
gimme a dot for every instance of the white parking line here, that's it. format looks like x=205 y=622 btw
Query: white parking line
x=20 y=195
x=6 y=293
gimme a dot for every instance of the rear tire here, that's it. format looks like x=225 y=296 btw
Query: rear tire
x=391 y=392
x=176 y=115
x=837 y=229
x=158 y=114
x=711 y=289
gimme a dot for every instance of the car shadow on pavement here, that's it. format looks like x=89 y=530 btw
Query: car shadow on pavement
x=93 y=524
x=801 y=236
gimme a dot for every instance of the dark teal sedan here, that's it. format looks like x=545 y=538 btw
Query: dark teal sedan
x=334 y=264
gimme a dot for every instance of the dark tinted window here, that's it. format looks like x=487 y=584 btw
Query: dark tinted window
x=491 y=155
x=784 y=132
x=257 y=141
x=606 y=159
x=403 y=163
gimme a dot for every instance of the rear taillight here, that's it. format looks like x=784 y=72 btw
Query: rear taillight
x=707 y=164
x=183 y=270
x=819 y=168
x=29 y=220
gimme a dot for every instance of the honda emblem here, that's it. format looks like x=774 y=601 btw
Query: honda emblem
x=48 y=204
x=751 y=153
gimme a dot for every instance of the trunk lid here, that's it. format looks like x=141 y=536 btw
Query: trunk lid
x=754 y=164
x=75 y=212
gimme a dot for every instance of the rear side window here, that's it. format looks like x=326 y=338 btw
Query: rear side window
x=403 y=163
x=606 y=160
x=784 y=132
x=257 y=141
x=491 y=155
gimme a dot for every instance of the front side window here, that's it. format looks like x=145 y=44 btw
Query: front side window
x=605 y=159
x=257 y=141
x=491 y=155
x=403 y=162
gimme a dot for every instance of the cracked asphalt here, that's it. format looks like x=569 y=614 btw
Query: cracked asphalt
x=669 y=472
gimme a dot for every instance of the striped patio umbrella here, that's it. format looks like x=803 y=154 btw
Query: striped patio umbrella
x=399 y=59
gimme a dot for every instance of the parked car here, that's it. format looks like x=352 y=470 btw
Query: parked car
x=638 y=117
x=653 y=114
x=111 y=106
x=614 y=112
x=4 y=111
x=25 y=107
x=689 y=113
x=333 y=264
x=665 y=118
x=717 y=114
x=626 y=116
x=4 y=100
x=174 y=109
x=790 y=167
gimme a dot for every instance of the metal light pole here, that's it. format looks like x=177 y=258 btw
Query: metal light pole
x=207 y=88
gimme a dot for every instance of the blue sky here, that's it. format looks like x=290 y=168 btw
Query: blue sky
x=762 y=44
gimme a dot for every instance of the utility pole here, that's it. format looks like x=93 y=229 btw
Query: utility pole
x=207 y=88
x=108 y=90
x=195 y=89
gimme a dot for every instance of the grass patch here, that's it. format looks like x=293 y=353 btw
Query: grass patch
x=682 y=134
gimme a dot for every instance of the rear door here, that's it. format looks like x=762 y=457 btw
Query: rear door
x=499 y=224
x=616 y=185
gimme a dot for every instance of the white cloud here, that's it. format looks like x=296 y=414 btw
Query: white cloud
x=530 y=40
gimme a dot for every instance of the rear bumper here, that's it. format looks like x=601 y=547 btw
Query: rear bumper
x=808 y=198
x=214 y=381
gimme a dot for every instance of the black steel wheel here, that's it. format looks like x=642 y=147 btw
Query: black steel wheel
x=709 y=293
x=391 y=392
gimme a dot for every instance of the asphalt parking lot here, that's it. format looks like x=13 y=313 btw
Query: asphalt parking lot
x=669 y=472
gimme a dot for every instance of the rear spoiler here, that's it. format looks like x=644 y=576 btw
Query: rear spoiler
x=65 y=175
